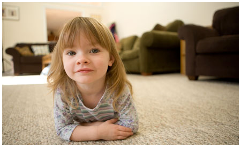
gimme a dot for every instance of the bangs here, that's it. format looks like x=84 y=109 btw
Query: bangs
x=95 y=33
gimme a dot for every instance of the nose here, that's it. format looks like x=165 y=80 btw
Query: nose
x=82 y=59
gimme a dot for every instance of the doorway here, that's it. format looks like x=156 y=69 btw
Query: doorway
x=56 y=19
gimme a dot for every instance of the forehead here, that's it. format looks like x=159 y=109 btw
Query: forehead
x=78 y=39
x=83 y=39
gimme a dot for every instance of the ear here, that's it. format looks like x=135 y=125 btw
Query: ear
x=112 y=60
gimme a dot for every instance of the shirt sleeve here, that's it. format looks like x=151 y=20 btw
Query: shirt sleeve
x=64 y=123
x=127 y=112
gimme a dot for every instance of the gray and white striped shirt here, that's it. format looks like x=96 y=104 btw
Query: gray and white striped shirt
x=66 y=118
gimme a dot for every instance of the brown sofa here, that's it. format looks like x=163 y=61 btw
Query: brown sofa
x=27 y=59
x=213 y=51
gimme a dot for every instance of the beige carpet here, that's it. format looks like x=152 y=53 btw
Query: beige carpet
x=172 y=110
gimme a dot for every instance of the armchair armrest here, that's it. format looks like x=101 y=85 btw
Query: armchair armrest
x=195 y=33
x=129 y=54
x=192 y=34
x=162 y=39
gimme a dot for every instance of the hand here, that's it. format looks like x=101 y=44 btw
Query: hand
x=110 y=131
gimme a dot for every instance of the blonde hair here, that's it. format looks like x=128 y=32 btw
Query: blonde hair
x=95 y=33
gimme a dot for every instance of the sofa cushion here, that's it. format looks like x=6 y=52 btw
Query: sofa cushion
x=31 y=59
x=128 y=43
x=24 y=51
x=40 y=49
x=221 y=44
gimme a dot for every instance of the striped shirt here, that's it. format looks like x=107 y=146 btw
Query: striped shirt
x=67 y=118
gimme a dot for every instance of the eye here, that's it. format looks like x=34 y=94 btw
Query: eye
x=71 y=53
x=94 y=50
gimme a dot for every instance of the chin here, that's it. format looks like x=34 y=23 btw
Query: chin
x=84 y=81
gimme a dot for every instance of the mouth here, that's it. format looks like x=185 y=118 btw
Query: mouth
x=84 y=70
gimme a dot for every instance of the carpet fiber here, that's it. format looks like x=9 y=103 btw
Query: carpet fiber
x=171 y=109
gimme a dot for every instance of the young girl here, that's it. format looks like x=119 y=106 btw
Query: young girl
x=92 y=96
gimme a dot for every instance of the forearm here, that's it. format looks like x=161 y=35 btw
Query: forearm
x=84 y=133
x=91 y=124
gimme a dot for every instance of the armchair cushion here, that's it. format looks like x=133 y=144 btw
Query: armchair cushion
x=161 y=39
x=226 y=21
x=222 y=44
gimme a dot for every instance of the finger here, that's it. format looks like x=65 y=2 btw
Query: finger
x=126 y=134
x=121 y=137
x=125 y=129
x=112 y=121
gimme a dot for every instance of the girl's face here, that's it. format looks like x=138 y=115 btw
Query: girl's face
x=86 y=63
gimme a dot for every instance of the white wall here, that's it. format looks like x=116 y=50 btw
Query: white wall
x=135 y=18
x=131 y=18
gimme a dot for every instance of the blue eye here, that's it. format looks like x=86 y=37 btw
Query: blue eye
x=71 y=53
x=94 y=51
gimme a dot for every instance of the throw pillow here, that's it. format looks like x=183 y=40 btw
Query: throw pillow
x=128 y=42
x=40 y=49
x=24 y=51
x=174 y=26
x=159 y=27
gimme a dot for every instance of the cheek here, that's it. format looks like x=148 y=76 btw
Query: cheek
x=67 y=66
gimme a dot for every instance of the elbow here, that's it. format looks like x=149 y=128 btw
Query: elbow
x=134 y=125
x=135 y=128
x=65 y=132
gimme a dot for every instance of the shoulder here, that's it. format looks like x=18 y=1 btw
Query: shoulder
x=125 y=96
x=59 y=99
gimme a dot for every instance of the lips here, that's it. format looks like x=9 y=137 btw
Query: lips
x=84 y=70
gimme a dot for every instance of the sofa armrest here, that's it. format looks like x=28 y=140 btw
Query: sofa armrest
x=16 y=59
x=160 y=39
x=13 y=52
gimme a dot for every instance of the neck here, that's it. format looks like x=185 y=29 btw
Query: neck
x=92 y=89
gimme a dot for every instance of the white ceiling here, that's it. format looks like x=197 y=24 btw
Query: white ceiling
x=57 y=18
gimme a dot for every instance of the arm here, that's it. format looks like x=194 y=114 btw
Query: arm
x=67 y=130
x=64 y=123
x=101 y=130
x=127 y=111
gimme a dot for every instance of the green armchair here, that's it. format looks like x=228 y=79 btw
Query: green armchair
x=156 y=51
